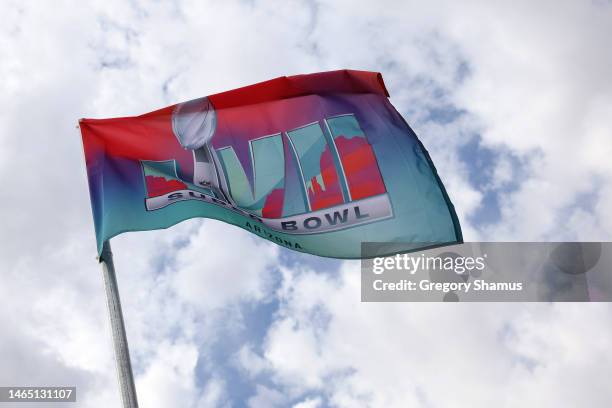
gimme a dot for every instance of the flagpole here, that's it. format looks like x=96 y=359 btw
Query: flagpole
x=120 y=344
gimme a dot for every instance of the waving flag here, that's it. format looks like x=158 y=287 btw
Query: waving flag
x=317 y=163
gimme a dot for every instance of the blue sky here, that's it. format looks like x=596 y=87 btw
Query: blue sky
x=512 y=100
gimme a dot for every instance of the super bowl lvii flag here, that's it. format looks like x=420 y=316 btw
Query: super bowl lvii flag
x=317 y=163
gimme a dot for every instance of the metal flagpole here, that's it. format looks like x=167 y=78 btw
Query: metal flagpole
x=122 y=353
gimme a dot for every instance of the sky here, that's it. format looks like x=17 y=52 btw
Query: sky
x=513 y=101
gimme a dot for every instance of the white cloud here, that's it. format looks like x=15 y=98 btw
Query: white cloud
x=214 y=394
x=529 y=78
x=266 y=398
x=309 y=403
x=169 y=379
x=477 y=355
x=538 y=86
x=223 y=265
x=248 y=360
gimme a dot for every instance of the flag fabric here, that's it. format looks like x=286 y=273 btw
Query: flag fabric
x=317 y=163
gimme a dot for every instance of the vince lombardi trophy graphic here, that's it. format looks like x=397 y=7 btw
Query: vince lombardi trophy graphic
x=194 y=123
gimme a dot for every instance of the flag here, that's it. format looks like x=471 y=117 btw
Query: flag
x=317 y=163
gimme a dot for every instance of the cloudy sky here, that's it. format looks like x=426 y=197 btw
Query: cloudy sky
x=513 y=101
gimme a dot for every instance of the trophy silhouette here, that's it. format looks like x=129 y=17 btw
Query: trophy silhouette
x=194 y=123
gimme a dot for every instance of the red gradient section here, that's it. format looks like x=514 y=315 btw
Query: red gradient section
x=146 y=137
x=239 y=113
x=340 y=81
x=273 y=208
x=332 y=195
x=360 y=166
x=157 y=186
